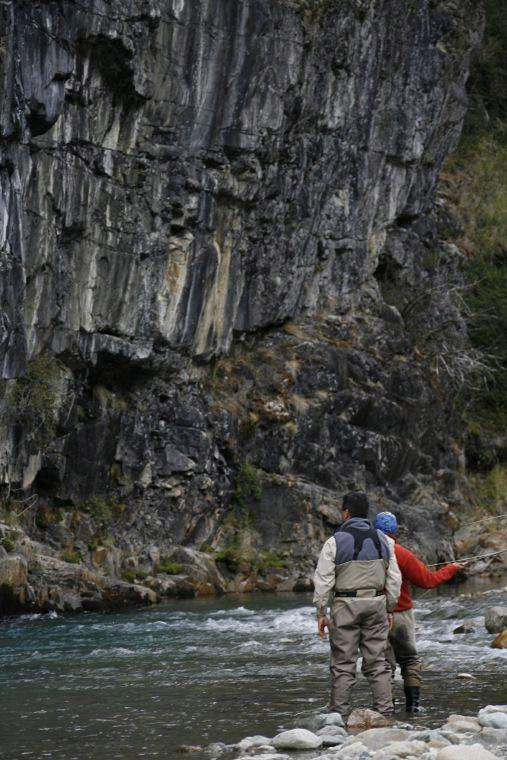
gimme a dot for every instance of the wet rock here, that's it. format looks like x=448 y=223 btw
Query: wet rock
x=464 y=628
x=215 y=749
x=365 y=718
x=495 y=619
x=297 y=738
x=465 y=676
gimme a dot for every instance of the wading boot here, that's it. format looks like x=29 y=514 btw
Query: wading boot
x=412 y=699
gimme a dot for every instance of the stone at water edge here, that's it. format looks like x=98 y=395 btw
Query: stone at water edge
x=327 y=730
x=253 y=741
x=500 y=642
x=466 y=725
x=378 y=738
x=465 y=752
x=465 y=676
x=332 y=740
x=297 y=738
x=464 y=628
x=402 y=749
x=493 y=716
x=366 y=718
x=334 y=719
x=319 y=720
x=349 y=752
x=495 y=619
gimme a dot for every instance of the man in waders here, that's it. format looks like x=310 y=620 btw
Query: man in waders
x=358 y=564
x=401 y=646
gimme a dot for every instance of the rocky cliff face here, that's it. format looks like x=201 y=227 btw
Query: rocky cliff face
x=224 y=297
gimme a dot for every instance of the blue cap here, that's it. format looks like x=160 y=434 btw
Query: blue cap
x=387 y=522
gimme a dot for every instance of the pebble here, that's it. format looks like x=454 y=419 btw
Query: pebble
x=297 y=738
x=466 y=752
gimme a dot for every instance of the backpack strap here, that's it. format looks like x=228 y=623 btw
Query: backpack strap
x=360 y=537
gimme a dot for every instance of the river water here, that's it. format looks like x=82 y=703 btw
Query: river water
x=139 y=684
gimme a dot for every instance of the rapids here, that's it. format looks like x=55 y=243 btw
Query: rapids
x=138 y=684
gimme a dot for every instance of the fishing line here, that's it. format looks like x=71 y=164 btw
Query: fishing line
x=468 y=559
x=483 y=519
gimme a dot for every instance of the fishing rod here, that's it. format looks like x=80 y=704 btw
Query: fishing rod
x=469 y=559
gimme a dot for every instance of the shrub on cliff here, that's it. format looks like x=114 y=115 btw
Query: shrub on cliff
x=31 y=401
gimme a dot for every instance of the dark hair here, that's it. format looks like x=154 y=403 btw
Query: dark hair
x=357 y=503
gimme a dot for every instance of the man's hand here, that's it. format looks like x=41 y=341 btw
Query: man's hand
x=390 y=619
x=322 y=624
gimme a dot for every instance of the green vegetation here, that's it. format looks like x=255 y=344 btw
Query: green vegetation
x=71 y=556
x=31 y=401
x=265 y=560
x=47 y=516
x=476 y=178
x=8 y=544
x=236 y=553
x=231 y=556
x=167 y=566
x=132 y=576
x=491 y=489
x=102 y=510
x=246 y=486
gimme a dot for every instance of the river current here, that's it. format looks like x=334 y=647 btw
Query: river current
x=138 y=684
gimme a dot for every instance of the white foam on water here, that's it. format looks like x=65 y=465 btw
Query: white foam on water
x=37 y=616
x=234 y=611
x=118 y=651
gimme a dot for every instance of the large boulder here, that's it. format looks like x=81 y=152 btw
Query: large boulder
x=495 y=619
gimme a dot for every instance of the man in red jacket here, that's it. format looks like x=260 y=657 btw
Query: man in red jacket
x=401 y=647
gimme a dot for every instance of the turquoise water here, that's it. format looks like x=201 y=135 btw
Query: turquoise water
x=141 y=683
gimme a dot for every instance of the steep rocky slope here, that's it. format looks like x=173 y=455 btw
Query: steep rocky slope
x=225 y=301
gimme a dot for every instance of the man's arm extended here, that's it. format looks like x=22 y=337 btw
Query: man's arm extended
x=417 y=572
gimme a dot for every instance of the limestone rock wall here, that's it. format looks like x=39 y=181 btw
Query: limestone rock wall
x=216 y=218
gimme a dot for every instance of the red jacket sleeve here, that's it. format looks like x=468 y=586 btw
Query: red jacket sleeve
x=417 y=573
